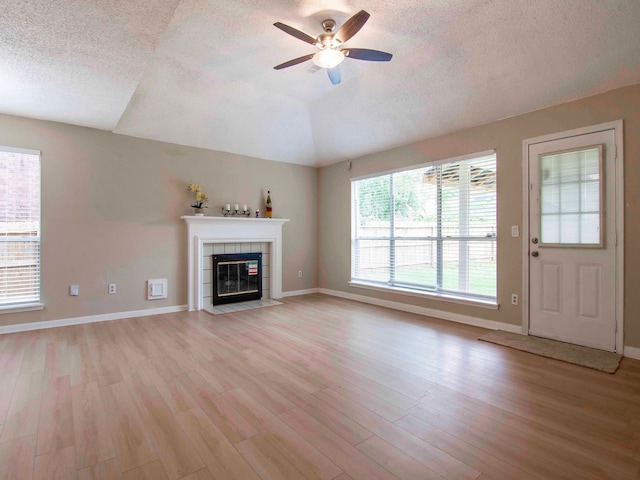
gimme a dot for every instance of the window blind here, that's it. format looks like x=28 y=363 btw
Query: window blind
x=19 y=226
x=431 y=228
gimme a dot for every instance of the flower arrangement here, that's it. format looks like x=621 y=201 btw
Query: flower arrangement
x=201 y=197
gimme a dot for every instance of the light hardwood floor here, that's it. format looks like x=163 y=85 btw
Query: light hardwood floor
x=317 y=388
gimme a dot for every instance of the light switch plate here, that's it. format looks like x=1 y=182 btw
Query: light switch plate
x=515 y=231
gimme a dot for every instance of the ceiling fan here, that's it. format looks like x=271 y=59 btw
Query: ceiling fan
x=331 y=51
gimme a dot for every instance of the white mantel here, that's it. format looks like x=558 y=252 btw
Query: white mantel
x=202 y=230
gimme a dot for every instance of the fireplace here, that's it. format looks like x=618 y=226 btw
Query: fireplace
x=237 y=277
x=206 y=230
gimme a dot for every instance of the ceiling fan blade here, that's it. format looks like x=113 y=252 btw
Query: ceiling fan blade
x=352 y=26
x=293 y=62
x=334 y=75
x=367 y=54
x=296 y=33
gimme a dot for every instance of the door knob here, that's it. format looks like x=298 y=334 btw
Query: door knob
x=534 y=254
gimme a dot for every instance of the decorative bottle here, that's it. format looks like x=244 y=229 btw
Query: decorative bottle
x=269 y=209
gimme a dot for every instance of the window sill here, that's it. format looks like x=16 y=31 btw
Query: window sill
x=435 y=296
x=21 y=307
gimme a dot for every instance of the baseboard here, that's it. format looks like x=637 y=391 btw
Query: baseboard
x=632 y=352
x=428 y=312
x=105 y=317
x=295 y=293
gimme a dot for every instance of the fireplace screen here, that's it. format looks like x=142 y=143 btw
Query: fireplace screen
x=237 y=277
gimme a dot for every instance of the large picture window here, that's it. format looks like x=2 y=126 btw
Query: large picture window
x=429 y=229
x=19 y=228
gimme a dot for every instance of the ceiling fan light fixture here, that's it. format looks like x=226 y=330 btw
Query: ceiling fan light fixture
x=328 y=58
x=330 y=45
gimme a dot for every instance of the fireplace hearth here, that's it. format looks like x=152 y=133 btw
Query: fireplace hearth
x=237 y=277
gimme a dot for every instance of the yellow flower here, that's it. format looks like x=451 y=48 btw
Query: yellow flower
x=201 y=197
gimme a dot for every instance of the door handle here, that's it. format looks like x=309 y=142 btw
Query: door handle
x=534 y=254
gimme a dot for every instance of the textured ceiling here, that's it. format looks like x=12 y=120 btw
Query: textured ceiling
x=200 y=72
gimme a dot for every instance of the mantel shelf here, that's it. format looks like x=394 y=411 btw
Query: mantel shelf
x=205 y=218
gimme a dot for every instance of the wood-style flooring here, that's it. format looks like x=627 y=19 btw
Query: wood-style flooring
x=317 y=388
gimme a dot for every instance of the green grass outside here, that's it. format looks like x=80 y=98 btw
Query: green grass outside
x=482 y=276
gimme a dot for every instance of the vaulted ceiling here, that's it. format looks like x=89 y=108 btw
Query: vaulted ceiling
x=200 y=72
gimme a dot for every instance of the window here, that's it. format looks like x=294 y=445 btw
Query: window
x=19 y=228
x=570 y=210
x=430 y=229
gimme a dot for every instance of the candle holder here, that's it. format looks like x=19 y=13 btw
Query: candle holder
x=242 y=212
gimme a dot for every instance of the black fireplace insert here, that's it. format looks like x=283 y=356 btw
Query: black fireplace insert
x=237 y=277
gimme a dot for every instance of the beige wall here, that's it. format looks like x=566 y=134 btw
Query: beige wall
x=506 y=137
x=111 y=208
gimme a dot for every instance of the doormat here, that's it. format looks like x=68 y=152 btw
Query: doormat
x=587 y=357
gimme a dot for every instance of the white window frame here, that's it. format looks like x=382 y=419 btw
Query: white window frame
x=455 y=297
x=30 y=305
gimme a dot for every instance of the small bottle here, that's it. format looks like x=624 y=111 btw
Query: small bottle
x=269 y=208
x=257 y=213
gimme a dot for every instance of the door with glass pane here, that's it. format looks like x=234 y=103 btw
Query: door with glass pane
x=572 y=240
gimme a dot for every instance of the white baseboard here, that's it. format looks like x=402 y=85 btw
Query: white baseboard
x=632 y=352
x=428 y=312
x=105 y=317
x=295 y=293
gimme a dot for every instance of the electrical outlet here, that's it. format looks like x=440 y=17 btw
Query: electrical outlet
x=112 y=289
x=299 y=273
x=514 y=299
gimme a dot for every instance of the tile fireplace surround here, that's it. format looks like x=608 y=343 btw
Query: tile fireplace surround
x=205 y=230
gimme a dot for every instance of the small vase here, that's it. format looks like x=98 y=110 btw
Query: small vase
x=199 y=212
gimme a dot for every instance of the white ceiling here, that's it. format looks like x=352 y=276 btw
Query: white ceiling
x=200 y=72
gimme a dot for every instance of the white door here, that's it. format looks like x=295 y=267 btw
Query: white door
x=572 y=249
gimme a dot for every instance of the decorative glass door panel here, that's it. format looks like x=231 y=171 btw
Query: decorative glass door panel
x=571 y=196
